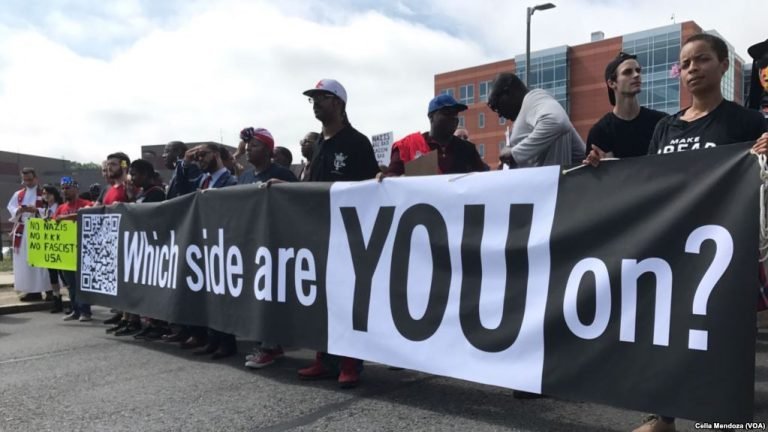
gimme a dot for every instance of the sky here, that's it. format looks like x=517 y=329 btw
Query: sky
x=81 y=79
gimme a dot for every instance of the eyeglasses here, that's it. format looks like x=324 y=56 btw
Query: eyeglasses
x=318 y=98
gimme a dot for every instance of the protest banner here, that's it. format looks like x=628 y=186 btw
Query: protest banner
x=382 y=144
x=638 y=296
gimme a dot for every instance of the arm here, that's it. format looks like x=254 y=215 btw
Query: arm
x=760 y=128
x=14 y=207
x=187 y=174
x=476 y=163
x=761 y=146
x=396 y=165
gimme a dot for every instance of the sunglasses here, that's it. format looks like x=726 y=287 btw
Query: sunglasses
x=320 y=97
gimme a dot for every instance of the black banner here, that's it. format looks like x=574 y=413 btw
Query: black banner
x=239 y=259
x=633 y=284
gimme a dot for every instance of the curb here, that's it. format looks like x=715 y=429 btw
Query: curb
x=27 y=307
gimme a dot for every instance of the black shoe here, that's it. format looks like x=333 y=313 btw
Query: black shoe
x=207 y=349
x=223 y=352
x=58 y=305
x=179 y=336
x=115 y=319
x=31 y=297
x=119 y=326
x=131 y=328
x=150 y=333
x=156 y=333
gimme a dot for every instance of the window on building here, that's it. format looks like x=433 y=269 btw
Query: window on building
x=481 y=120
x=461 y=122
x=481 y=150
x=467 y=94
x=658 y=55
x=448 y=91
x=484 y=88
x=550 y=73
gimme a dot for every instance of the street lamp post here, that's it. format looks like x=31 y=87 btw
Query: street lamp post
x=531 y=10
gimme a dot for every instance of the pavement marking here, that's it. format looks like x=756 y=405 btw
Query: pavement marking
x=326 y=410
x=35 y=357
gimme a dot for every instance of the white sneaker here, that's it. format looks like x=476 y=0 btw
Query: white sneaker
x=71 y=317
x=263 y=358
x=85 y=318
x=253 y=354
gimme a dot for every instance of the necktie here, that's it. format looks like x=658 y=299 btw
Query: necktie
x=206 y=182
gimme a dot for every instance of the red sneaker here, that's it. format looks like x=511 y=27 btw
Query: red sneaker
x=316 y=370
x=263 y=358
x=349 y=376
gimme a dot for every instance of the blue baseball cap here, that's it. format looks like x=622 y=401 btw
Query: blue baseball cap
x=69 y=181
x=445 y=101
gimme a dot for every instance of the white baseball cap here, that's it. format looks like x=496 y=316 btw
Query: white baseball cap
x=328 y=86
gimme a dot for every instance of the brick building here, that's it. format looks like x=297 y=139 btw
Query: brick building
x=574 y=76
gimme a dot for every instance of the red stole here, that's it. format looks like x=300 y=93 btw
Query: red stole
x=18 y=230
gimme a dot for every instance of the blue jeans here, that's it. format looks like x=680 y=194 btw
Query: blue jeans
x=70 y=278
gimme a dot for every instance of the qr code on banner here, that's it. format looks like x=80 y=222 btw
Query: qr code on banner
x=98 y=253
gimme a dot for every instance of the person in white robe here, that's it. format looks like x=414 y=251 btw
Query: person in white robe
x=23 y=205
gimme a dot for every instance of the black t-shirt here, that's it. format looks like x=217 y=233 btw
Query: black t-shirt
x=273 y=172
x=729 y=123
x=346 y=156
x=625 y=138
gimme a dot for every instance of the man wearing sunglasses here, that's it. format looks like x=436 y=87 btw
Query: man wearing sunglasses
x=626 y=131
x=340 y=154
x=455 y=154
x=542 y=133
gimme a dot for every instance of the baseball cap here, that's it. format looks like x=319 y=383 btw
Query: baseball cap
x=69 y=181
x=328 y=86
x=611 y=69
x=260 y=134
x=445 y=101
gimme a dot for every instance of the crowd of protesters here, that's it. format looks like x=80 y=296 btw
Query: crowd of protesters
x=541 y=135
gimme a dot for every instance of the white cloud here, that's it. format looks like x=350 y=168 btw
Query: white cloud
x=214 y=68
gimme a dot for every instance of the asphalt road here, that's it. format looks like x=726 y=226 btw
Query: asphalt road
x=57 y=376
